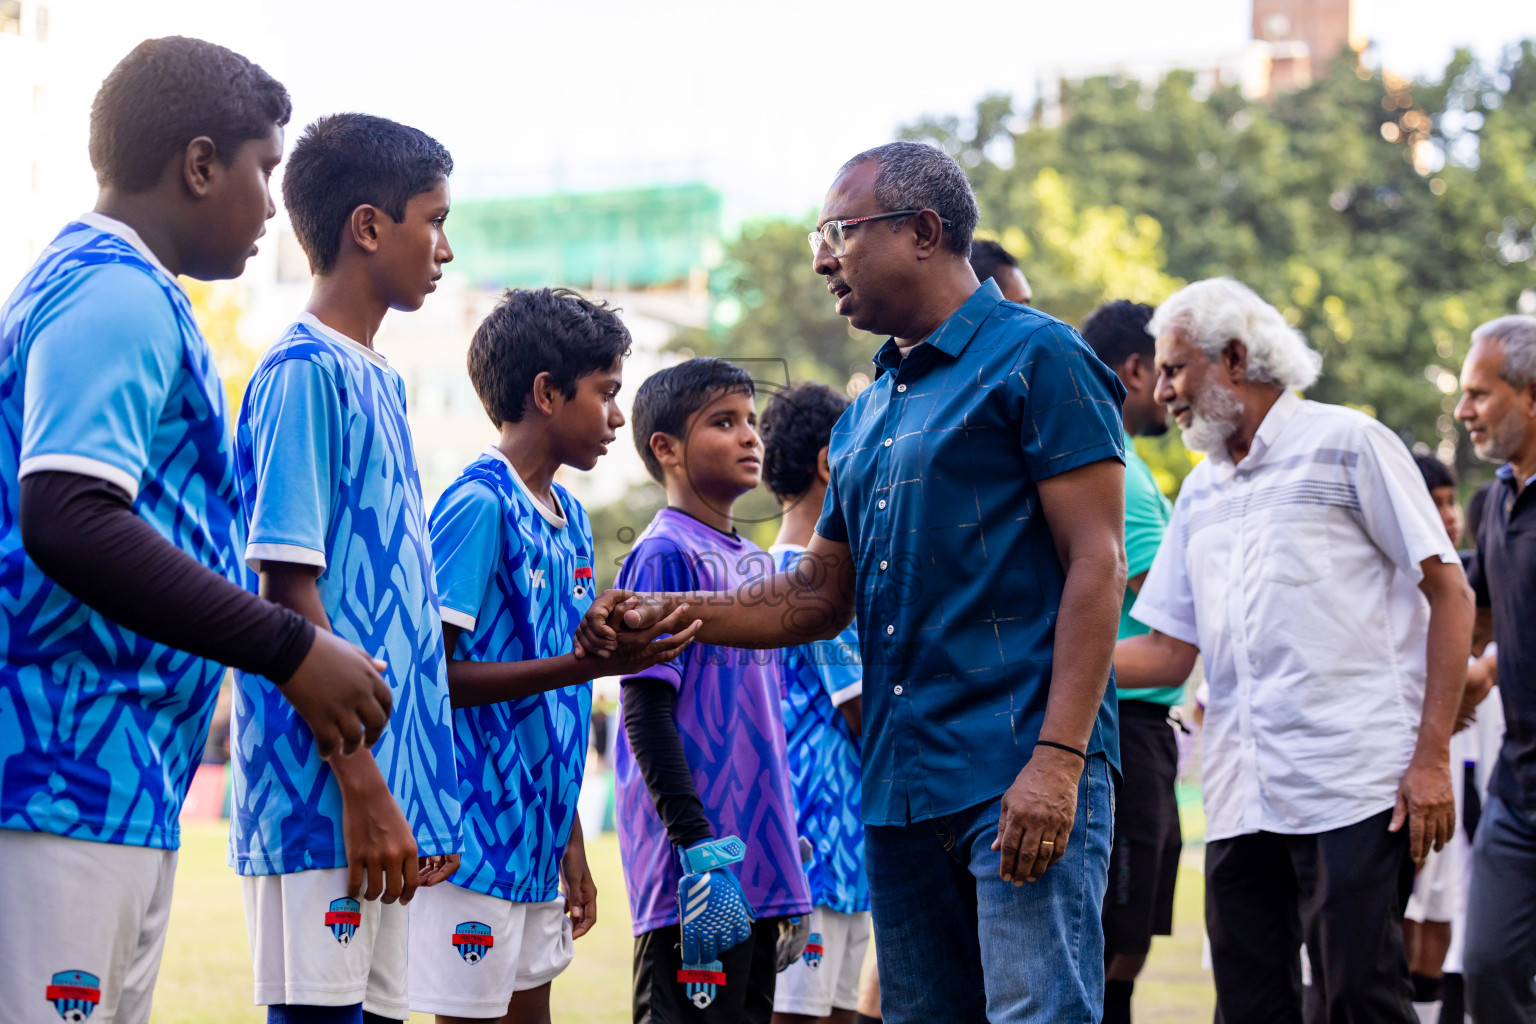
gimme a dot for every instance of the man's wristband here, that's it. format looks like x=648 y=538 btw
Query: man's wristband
x=1061 y=746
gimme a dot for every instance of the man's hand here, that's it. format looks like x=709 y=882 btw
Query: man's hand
x=340 y=694
x=619 y=617
x=381 y=850
x=437 y=868
x=1425 y=802
x=579 y=888
x=1037 y=812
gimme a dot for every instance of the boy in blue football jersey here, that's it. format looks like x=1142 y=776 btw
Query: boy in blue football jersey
x=706 y=818
x=514 y=557
x=338 y=531
x=120 y=536
x=823 y=684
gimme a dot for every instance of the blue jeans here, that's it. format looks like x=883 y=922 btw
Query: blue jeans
x=1500 y=956
x=957 y=943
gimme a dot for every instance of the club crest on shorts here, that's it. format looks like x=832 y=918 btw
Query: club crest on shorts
x=583 y=582
x=343 y=918
x=74 y=994
x=701 y=981
x=473 y=940
x=813 y=951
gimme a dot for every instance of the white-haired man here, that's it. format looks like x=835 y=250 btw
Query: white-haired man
x=1498 y=406
x=1306 y=562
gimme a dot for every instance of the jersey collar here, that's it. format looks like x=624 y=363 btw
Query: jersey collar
x=113 y=226
x=553 y=516
x=313 y=323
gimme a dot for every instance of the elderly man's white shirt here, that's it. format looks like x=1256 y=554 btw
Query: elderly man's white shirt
x=1296 y=574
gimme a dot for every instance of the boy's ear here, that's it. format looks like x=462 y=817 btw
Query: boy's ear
x=823 y=467
x=667 y=449
x=363 y=227
x=197 y=166
x=543 y=393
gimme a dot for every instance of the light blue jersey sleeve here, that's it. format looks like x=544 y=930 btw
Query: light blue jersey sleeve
x=98 y=370
x=294 y=413
x=837 y=660
x=466 y=542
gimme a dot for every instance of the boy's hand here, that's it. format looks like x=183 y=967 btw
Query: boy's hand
x=593 y=634
x=381 y=849
x=340 y=694
x=635 y=654
x=437 y=868
x=579 y=888
x=619 y=617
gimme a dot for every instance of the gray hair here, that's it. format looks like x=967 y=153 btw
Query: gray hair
x=1518 y=336
x=1210 y=313
x=917 y=176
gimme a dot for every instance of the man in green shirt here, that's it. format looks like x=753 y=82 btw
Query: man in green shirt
x=1145 y=859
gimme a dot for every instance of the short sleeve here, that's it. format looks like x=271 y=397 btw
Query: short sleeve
x=293 y=411
x=656 y=565
x=1070 y=404
x=99 y=368
x=1146 y=518
x=838 y=662
x=1166 y=602
x=1397 y=512
x=832 y=525
x=466 y=548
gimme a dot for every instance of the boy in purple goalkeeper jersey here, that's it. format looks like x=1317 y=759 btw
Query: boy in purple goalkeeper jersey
x=706 y=819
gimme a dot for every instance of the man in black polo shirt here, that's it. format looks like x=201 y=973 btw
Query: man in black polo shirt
x=1498 y=406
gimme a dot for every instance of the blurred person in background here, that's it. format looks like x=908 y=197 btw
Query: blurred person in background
x=1306 y=562
x=1144 y=862
x=1498 y=407
x=991 y=261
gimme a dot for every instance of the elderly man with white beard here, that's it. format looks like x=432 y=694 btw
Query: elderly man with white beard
x=1306 y=562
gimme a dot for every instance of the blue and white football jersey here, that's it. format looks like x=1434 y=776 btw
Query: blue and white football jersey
x=516 y=576
x=104 y=373
x=328 y=478
x=824 y=767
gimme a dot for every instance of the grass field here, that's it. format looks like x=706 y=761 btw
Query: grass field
x=206 y=974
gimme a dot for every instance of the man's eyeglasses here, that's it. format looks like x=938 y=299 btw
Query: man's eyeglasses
x=834 y=233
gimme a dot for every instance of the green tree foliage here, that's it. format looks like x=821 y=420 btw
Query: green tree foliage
x=1384 y=217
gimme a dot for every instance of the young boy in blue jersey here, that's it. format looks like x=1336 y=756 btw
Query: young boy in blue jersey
x=706 y=819
x=514 y=557
x=330 y=850
x=823 y=684
x=120 y=537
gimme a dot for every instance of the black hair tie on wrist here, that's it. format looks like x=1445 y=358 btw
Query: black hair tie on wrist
x=1061 y=746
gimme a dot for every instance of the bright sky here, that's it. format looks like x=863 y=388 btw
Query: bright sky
x=763 y=100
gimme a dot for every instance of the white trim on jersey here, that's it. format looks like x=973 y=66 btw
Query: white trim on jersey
x=553 y=516
x=313 y=323
x=83 y=466
x=454 y=617
x=113 y=226
x=847 y=693
x=297 y=554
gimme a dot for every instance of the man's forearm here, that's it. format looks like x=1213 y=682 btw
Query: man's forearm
x=1152 y=661
x=1448 y=646
x=784 y=610
x=1084 y=647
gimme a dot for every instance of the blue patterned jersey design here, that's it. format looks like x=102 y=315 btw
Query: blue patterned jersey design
x=103 y=372
x=328 y=478
x=823 y=754
x=517 y=578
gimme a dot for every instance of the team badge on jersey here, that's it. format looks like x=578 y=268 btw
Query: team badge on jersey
x=702 y=981
x=583 y=577
x=343 y=918
x=74 y=994
x=473 y=940
x=813 y=951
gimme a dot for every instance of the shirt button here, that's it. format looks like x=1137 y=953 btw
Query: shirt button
x=883 y=564
x=901 y=387
x=897 y=690
x=882 y=503
x=889 y=630
x=887 y=442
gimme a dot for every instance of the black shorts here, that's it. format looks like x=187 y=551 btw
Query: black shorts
x=1144 y=863
x=740 y=990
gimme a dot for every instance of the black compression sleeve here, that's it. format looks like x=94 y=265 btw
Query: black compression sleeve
x=83 y=533
x=651 y=726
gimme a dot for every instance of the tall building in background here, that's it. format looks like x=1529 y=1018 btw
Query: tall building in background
x=25 y=73
x=1297 y=39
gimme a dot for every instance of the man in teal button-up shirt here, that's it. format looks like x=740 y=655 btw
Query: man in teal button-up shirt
x=974 y=523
